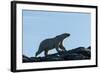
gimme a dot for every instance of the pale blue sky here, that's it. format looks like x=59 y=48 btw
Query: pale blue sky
x=40 y=25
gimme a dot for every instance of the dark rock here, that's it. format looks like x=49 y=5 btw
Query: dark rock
x=82 y=51
x=79 y=53
x=74 y=56
x=26 y=59
x=89 y=47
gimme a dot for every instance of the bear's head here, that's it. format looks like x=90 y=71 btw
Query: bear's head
x=63 y=36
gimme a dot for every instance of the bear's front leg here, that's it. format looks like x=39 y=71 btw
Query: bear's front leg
x=61 y=46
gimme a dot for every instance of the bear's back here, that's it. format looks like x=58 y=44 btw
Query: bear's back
x=48 y=43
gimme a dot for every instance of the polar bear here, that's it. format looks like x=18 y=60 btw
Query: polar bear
x=52 y=43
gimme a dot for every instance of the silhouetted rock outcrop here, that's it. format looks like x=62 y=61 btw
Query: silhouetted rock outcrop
x=79 y=53
x=26 y=59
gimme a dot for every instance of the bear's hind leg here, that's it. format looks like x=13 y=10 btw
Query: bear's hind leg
x=46 y=53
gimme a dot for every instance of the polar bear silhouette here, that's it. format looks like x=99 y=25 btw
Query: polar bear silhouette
x=52 y=43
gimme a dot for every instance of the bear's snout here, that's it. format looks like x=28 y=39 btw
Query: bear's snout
x=68 y=34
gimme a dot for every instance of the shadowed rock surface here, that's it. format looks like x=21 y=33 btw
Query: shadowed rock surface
x=79 y=53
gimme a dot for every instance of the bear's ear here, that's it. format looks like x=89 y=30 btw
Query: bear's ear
x=59 y=36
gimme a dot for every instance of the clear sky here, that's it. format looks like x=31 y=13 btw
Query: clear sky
x=40 y=25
